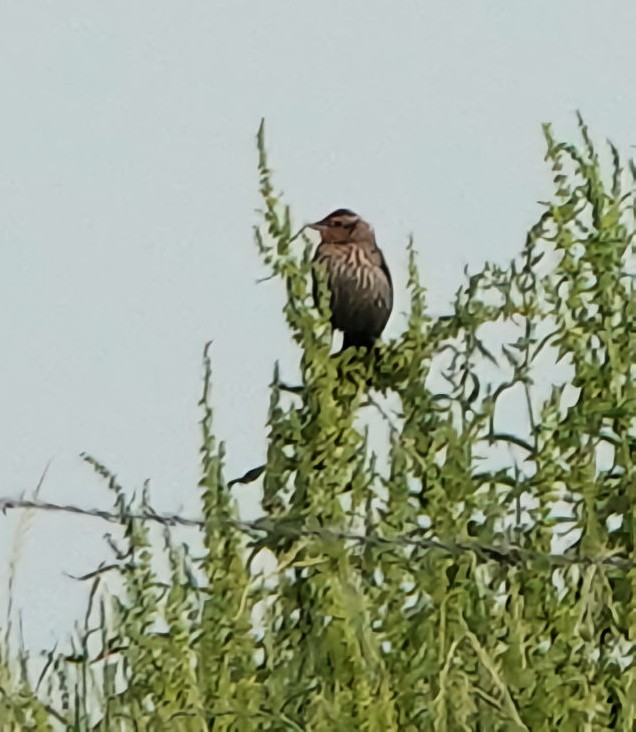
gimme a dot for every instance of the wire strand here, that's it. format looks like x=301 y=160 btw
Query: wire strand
x=510 y=554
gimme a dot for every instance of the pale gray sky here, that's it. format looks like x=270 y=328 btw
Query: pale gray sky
x=127 y=192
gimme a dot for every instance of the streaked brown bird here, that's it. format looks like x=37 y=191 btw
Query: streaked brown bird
x=357 y=277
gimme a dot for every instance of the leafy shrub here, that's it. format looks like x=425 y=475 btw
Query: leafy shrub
x=458 y=575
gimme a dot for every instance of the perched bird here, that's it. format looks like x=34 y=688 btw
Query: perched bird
x=357 y=277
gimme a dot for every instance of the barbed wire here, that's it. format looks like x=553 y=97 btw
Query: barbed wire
x=506 y=553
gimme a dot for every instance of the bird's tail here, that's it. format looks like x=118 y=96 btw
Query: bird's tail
x=357 y=340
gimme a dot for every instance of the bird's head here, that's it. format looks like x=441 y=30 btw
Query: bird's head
x=343 y=226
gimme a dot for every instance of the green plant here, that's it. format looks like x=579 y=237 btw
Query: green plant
x=457 y=577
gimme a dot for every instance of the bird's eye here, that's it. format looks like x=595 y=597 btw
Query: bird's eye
x=336 y=223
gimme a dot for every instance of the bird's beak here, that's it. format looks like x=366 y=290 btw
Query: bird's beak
x=317 y=226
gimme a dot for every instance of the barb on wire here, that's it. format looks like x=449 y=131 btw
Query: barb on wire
x=510 y=554
x=7 y=504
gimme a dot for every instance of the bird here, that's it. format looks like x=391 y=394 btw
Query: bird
x=358 y=279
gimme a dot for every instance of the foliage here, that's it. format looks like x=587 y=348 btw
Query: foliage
x=463 y=576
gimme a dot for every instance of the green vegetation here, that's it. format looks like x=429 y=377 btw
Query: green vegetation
x=417 y=586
